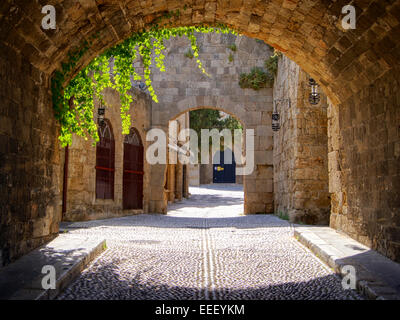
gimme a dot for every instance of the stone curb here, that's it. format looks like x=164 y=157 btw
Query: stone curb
x=70 y=275
x=34 y=291
x=367 y=284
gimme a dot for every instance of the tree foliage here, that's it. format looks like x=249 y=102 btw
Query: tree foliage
x=211 y=119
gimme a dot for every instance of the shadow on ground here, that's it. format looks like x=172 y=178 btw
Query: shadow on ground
x=26 y=272
x=206 y=201
x=106 y=283
x=175 y=222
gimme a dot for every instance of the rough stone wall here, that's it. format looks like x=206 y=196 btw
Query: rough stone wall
x=183 y=87
x=194 y=175
x=81 y=195
x=285 y=87
x=364 y=165
x=30 y=207
x=300 y=149
x=206 y=173
x=206 y=170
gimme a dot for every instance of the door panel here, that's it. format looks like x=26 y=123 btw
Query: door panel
x=224 y=173
x=105 y=163
x=133 y=174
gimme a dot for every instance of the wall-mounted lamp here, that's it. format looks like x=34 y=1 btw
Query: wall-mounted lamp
x=275 y=121
x=314 y=96
x=101 y=111
x=275 y=114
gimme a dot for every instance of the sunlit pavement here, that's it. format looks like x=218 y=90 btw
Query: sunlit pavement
x=205 y=248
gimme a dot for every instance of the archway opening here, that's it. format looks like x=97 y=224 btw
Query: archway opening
x=358 y=68
x=206 y=137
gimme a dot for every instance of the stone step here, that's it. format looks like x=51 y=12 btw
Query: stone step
x=377 y=277
x=69 y=254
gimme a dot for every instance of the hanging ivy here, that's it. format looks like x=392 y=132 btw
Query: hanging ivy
x=95 y=77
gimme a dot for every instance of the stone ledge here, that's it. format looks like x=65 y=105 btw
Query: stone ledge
x=378 y=278
x=69 y=254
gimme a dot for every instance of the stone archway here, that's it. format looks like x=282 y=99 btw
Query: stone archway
x=258 y=186
x=253 y=200
x=308 y=32
x=358 y=70
x=183 y=88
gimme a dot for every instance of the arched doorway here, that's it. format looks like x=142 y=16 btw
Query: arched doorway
x=224 y=167
x=105 y=162
x=133 y=171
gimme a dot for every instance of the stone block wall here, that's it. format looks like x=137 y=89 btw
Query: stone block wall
x=206 y=173
x=30 y=202
x=364 y=165
x=194 y=175
x=300 y=149
x=81 y=185
x=183 y=88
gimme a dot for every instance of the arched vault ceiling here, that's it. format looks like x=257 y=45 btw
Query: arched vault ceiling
x=308 y=32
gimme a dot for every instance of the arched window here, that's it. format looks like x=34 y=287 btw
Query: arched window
x=105 y=163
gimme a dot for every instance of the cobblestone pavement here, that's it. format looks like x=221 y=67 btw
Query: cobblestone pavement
x=203 y=249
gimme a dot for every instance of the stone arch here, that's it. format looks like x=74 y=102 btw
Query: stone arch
x=358 y=70
x=258 y=186
x=229 y=108
x=182 y=86
x=308 y=32
x=133 y=137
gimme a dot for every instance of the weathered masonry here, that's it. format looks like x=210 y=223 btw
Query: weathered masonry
x=183 y=87
x=300 y=149
x=103 y=182
x=358 y=71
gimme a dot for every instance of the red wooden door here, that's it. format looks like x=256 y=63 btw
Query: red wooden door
x=133 y=171
x=105 y=163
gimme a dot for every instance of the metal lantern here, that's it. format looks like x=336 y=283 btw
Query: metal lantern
x=101 y=111
x=276 y=124
x=275 y=121
x=314 y=96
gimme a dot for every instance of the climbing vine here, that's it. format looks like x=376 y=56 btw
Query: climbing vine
x=74 y=103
